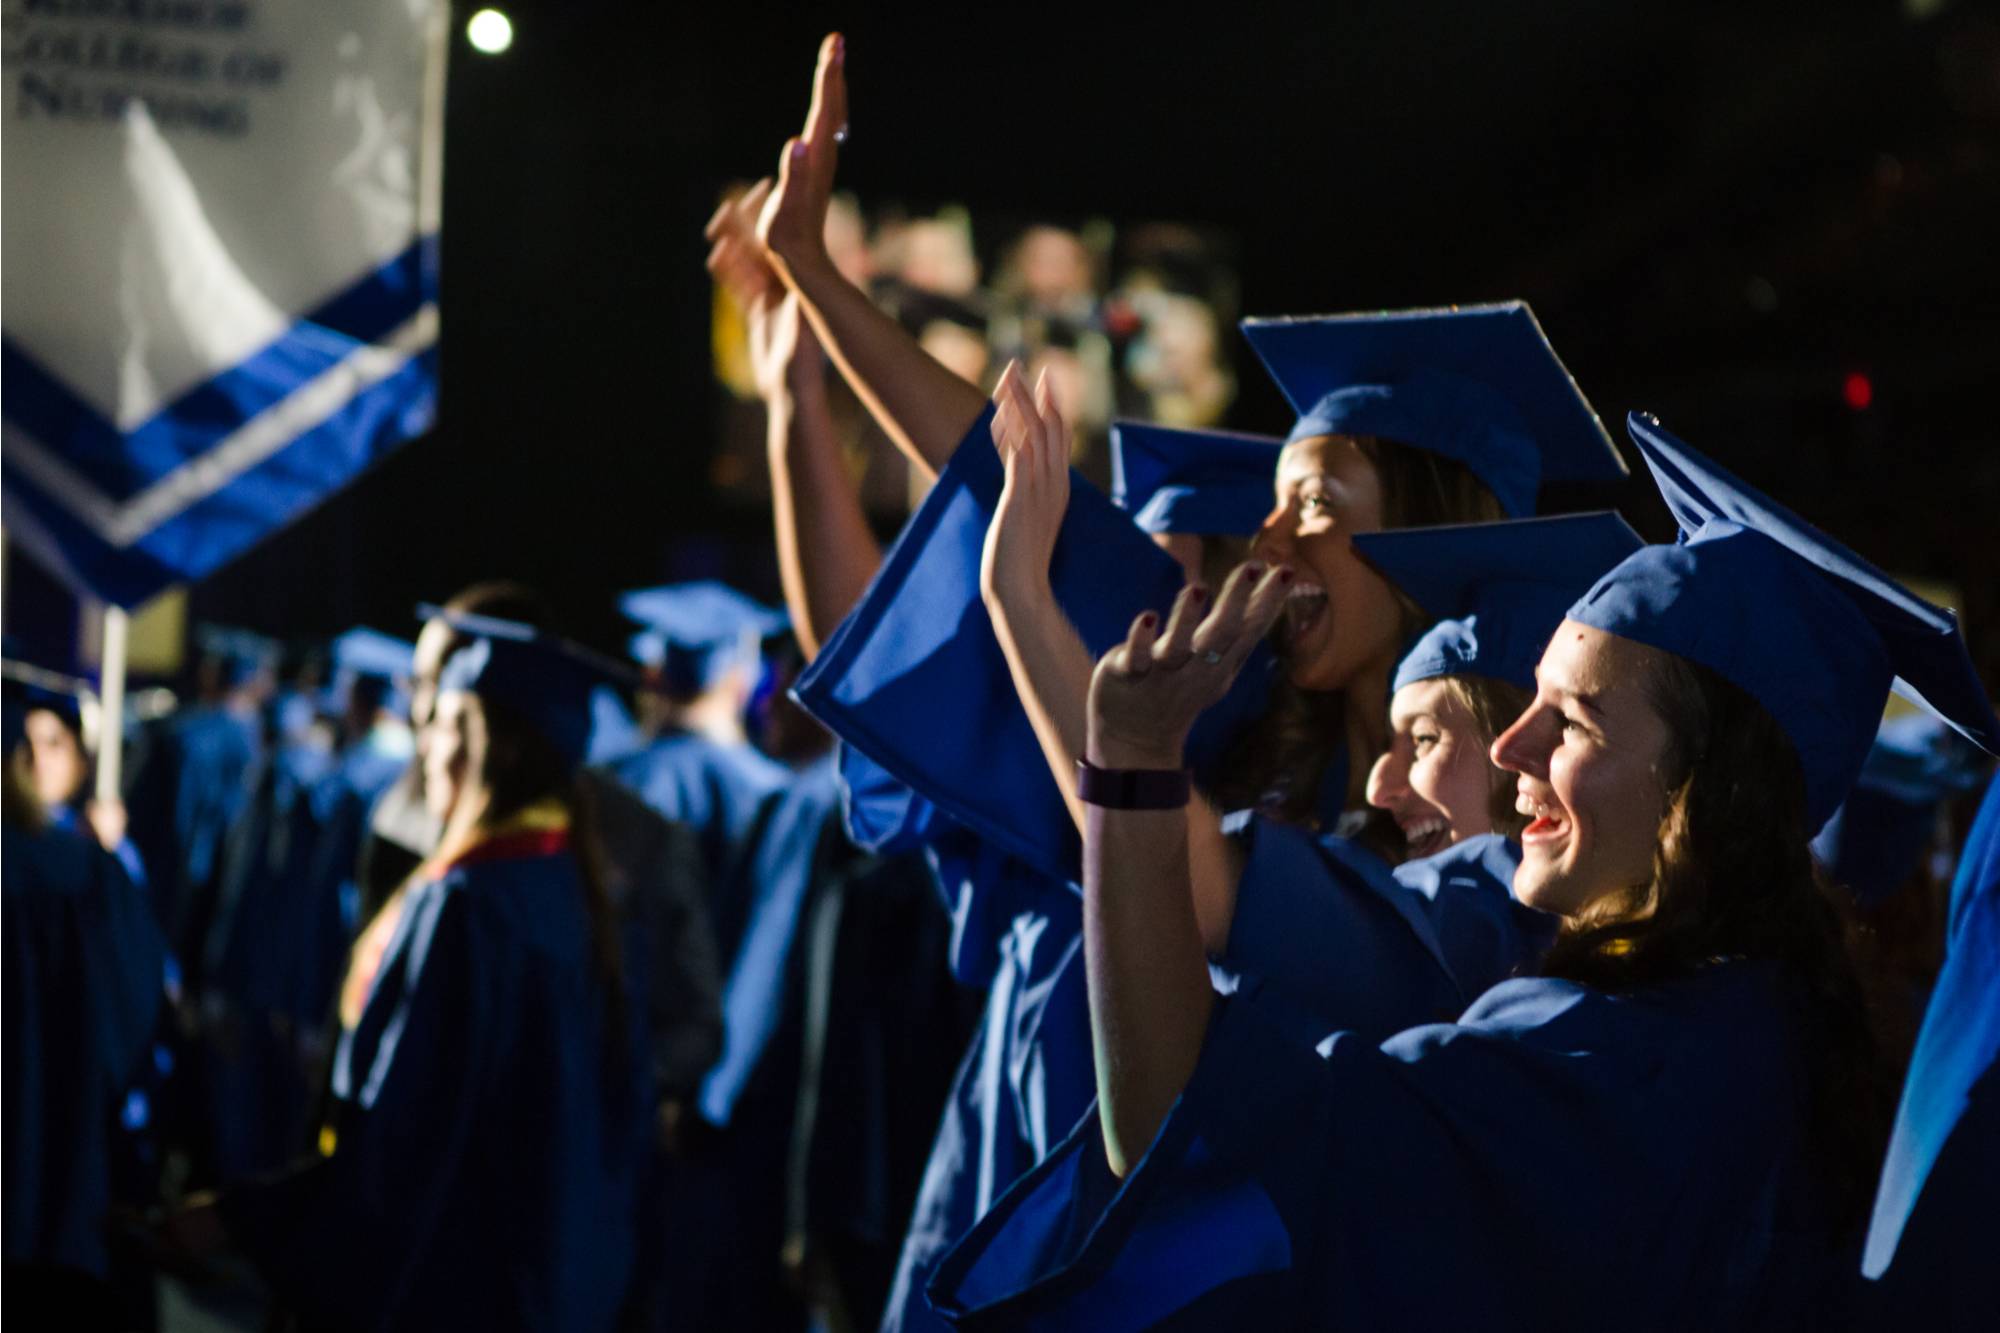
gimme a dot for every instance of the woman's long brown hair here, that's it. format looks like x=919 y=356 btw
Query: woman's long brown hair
x=1282 y=758
x=1733 y=878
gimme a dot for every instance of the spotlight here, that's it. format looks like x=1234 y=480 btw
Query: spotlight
x=490 y=32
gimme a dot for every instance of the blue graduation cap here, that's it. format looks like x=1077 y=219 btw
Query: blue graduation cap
x=1502 y=587
x=1879 y=833
x=914 y=681
x=695 y=632
x=545 y=678
x=36 y=689
x=242 y=653
x=1478 y=383
x=364 y=654
x=1809 y=629
x=1205 y=482
x=613 y=731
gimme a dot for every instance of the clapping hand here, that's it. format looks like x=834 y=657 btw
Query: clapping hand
x=792 y=224
x=784 y=354
x=1033 y=441
x=1147 y=692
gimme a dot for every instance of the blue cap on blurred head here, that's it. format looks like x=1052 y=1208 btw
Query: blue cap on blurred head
x=695 y=632
x=1879 y=834
x=1809 y=629
x=545 y=678
x=1504 y=587
x=1479 y=384
x=243 y=654
x=363 y=654
x=1202 y=482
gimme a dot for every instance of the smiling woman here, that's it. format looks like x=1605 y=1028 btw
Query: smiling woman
x=1435 y=779
x=1682 y=1102
x=1592 y=752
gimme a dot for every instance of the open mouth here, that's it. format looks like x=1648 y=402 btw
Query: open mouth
x=1547 y=821
x=1305 y=608
x=1423 y=837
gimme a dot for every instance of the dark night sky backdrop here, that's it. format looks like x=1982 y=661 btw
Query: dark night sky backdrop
x=1630 y=169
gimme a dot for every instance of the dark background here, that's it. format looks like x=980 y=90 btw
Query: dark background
x=1718 y=212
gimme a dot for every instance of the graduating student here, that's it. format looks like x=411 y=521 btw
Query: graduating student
x=916 y=680
x=653 y=866
x=286 y=906
x=1298 y=926
x=491 y=1118
x=1670 y=1122
x=192 y=781
x=64 y=768
x=83 y=967
x=879 y=1022
x=698 y=644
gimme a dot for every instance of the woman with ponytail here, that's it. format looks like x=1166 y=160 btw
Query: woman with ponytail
x=490 y=1116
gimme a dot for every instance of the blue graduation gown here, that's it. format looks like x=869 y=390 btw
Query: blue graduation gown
x=1027 y=1074
x=1344 y=939
x=914 y=678
x=214 y=751
x=726 y=1215
x=720 y=791
x=782 y=862
x=1351 y=943
x=491 y=1125
x=938 y=752
x=1937 y=1210
x=82 y=978
x=1558 y=1158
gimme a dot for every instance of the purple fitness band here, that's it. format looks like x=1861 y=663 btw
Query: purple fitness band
x=1132 y=788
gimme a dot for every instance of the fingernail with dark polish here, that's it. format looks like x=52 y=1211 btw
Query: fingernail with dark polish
x=1197 y=593
x=1286 y=574
x=1149 y=620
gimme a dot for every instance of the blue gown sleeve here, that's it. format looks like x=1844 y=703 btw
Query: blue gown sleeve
x=1556 y=1155
x=1350 y=943
x=1950 y=1106
x=915 y=680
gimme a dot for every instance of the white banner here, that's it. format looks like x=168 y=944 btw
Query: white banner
x=220 y=268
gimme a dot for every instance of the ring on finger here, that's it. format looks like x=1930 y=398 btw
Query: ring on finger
x=840 y=135
x=1212 y=658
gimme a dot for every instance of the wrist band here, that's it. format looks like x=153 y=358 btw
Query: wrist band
x=1132 y=788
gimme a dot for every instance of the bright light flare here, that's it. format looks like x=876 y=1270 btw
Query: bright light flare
x=490 y=32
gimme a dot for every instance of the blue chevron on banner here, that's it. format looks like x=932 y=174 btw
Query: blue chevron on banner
x=221 y=274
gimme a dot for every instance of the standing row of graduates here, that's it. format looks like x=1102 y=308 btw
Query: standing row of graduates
x=1392 y=907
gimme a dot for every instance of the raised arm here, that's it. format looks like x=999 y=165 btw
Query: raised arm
x=1049 y=663
x=1150 y=997
x=826 y=552
x=923 y=407
x=1051 y=667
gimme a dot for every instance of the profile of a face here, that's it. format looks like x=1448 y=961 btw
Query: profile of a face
x=447 y=751
x=59 y=761
x=1435 y=778
x=1588 y=753
x=1341 y=616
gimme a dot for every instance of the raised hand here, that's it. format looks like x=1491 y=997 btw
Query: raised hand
x=1147 y=692
x=792 y=224
x=1033 y=440
x=784 y=354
